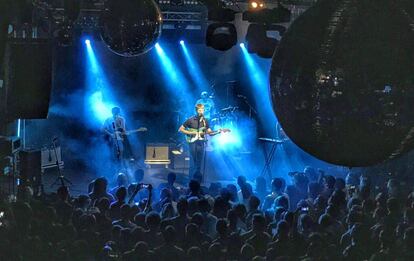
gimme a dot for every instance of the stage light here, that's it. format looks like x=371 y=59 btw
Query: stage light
x=242 y=45
x=221 y=36
x=87 y=42
x=264 y=15
x=182 y=42
x=256 y=5
x=259 y=42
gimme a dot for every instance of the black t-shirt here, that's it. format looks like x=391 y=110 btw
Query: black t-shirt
x=195 y=123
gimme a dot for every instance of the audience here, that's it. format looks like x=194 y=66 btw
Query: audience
x=313 y=218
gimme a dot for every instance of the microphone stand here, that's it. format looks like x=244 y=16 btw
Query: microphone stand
x=118 y=151
x=60 y=177
x=250 y=107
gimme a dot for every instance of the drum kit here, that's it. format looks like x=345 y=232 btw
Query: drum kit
x=225 y=118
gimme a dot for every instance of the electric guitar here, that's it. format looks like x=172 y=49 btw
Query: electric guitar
x=119 y=134
x=199 y=134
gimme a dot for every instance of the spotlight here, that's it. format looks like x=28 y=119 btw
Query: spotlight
x=256 y=5
x=242 y=45
x=258 y=40
x=221 y=36
x=182 y=42
x=261 y=14
x=88 y=42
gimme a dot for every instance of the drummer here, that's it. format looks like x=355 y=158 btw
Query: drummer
x=209 y=107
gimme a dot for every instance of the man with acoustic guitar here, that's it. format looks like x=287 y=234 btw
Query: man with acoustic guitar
x=196 y=128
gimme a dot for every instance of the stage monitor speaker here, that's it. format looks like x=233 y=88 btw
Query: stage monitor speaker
x=28 y=79
x=30 y=166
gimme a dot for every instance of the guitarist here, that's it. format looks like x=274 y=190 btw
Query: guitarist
x=191 y=127
x=114 y=128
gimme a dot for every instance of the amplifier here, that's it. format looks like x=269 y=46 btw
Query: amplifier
x=157 y=154
x=9 y=145
x=49 y=158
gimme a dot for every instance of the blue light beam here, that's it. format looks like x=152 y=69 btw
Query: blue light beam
x=97 y=86
x=261 y=88
x=175 y=79
x=195 y=72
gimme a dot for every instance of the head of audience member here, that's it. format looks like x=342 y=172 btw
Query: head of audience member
x=278 y=185
x=329 y=182
x=169 y=235
x=247 y=252
x=153 y=220
x=194 y=187
x=340 y=184
x=241 y=181
x=122 y=180
x=63 y=193
x=241 y=211
x=393 y=188
x=311 y=173
x=100 y=186
x=254 y=203
x=232 y=190
x=171 y=177
x=182 y=207
x=121 y=194
x=167 y=211
x=232 y=218
x=204 y=206
x=282 y=230
x=258 y=223
x=221 y=228
x=300 y=181
x=139 y=175
x=195 y=253
x=139 y=220
x=220 y=207
x=247 y=191
x=352 y=179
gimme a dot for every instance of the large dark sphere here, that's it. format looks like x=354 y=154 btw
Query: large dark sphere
x=131 y=27
x=342 y=81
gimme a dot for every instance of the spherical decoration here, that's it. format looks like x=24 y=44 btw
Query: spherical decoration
x=342 y=81
x=131 y=27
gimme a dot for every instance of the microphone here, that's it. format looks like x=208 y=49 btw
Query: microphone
x=242 y=96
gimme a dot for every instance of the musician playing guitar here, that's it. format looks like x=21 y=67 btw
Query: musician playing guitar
x=196 y=128
x=114 y=127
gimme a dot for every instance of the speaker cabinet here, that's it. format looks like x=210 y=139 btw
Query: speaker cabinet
x=30 y=166
x=28 y=79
